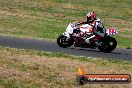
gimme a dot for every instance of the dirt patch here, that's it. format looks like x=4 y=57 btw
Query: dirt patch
x=37 y=16
x=3 y=12
x=126 y=30
x=117 y=21
x=52 y=3
x=5 y=72
x=126 y=35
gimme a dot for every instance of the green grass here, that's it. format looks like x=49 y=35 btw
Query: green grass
x=48 y=19
x=22 y=68
x=15 y=83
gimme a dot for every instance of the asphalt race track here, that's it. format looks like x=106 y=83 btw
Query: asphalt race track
x=50 y=46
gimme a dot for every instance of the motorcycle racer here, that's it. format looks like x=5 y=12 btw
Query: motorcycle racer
x=91 y=34
x=96 y=26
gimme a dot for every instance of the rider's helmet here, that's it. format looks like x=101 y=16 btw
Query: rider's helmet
x=91 y=16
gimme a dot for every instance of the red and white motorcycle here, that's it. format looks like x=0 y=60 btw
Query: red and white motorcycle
x=71 y=37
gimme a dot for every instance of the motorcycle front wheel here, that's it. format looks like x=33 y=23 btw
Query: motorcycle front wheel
x=64 y=42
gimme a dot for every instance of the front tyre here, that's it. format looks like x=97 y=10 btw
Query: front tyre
x=64 y=42
x=108 y=44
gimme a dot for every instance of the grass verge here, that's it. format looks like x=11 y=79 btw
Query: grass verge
x=21 y=68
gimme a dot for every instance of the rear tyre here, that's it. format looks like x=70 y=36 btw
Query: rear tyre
x=64 y=42
x=108 y=44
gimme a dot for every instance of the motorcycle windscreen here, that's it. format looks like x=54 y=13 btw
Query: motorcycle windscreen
x=69 y=29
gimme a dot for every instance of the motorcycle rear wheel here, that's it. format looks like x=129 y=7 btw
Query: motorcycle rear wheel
x=108 y=44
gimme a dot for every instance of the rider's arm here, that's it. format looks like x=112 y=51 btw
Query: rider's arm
x=84 y=22
x=92 y=26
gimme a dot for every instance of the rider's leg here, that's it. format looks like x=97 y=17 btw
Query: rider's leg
x=87 y=40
